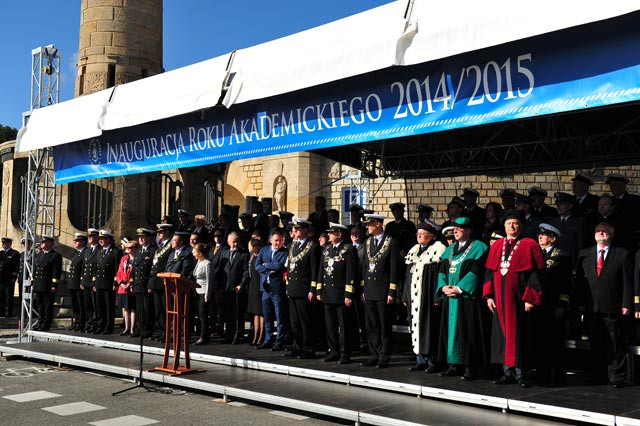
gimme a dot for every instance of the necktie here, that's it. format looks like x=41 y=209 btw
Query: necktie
x=233 y=255
x=422 y=249
x=373 y=245
x=508 y=248
x=600 y=263
x=563 y=221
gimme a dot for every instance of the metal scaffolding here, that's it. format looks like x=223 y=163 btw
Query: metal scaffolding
x=40 y=199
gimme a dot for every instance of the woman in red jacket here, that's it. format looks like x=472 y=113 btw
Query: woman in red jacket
x=125 y=292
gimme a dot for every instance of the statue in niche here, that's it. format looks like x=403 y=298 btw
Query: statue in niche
x=280 y=193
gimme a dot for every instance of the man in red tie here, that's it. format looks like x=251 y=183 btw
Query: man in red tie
x=511 y=295
x=605 y=287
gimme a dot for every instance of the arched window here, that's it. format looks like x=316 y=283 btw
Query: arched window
x=90 y=203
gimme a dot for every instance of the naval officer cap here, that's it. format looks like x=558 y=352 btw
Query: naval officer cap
x=104 y=233
x=508 y=192
x=546 y=229
x=79 y=236
x=286 y=214
x=144 y=232
x=424 y=207
x=563 y=197
x=448 y=232
x=93 y=232
x=471 y=191
x=47 y=238
x=536 y=190
x=182 y=213
x=462 y=222
x=394 y=206
x=6 y=240
x=355 y=207
x=164 y=227
x=247 y=215
x=298 y=222
x=616 y=177
x=373 y=217
x=523 y=199
x=582 y=178
x=124 y=241
x=457 y=200
x=337 y=227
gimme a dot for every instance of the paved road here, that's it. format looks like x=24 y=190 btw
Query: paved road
x=40 y=394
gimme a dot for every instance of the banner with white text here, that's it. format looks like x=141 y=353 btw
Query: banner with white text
x=584 y=67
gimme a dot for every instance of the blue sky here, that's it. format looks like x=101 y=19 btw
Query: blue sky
x=194 y=30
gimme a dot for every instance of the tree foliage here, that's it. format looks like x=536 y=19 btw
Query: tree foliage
x=7 y=133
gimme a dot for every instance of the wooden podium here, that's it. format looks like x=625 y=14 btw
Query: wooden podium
x=176 y=289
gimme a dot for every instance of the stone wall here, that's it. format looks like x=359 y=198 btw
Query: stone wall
x=120 y=41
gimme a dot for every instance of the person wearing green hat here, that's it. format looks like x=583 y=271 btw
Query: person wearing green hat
x=460 y=288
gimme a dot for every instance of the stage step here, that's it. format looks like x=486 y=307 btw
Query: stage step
x=339 y=401
x=561 y=403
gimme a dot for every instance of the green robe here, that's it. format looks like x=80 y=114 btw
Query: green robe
x=461 y=314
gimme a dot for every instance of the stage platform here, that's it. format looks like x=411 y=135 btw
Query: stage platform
x=312 y=385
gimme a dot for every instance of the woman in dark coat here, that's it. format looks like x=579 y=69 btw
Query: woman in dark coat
x=254 y=306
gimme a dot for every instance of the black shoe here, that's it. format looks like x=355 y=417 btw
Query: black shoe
x=236 y=341
x=468 y=374
x=200 y=341
x=524 y=382
x=345 y=360
x=266 y=345
x=369 y=363
x=332 y=358
x=291 y=354
x=450 y=372
x=135 y=335
x=124 y=333
x=384 y=363
x=71 y=328
x=277 y=348
x=418 y=367
x=307 y=355
x=431 y=369
x=505 y=380
x=618 y=385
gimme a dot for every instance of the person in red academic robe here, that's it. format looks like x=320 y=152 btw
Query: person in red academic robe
x=511 y=295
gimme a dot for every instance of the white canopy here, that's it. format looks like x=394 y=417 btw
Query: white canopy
x=362 y=43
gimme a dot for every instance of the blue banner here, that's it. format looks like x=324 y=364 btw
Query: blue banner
x=584 y=67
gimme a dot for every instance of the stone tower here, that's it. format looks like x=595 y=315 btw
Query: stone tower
x=120 y=41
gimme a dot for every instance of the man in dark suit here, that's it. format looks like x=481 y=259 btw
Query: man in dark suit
x=628 y=205
x=540 y=208
x=302 y=265
x=319 y=219
x=180 y=259
x=87 y=284
x=142 y=263
x=475 y=213
x=46 y=278
x=380 y=287
x=217 y=280
x=107 y=262
x=530 y=222
x=261 y=220
x=9 y=267
x=358 y=237
x=573 y=235
x=604 y=277
x=234 y=283
x=586 y=205
x=270 y=264
x=155 y=286
x=74 y=279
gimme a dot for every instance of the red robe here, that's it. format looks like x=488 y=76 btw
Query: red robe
x=511 y=328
